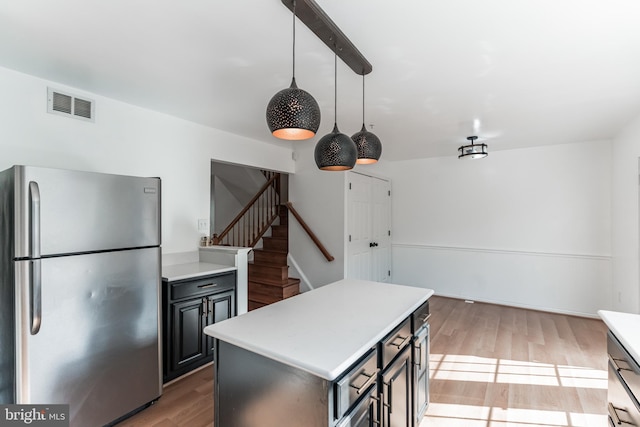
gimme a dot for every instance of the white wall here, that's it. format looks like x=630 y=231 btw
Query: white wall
x=319 y=198
x=626 y=236
x=528 y=227
x=127 y=140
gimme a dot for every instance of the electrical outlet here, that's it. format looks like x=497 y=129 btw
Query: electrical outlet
x=203 y=225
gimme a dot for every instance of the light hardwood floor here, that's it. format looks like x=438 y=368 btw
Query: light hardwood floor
x=491 y=366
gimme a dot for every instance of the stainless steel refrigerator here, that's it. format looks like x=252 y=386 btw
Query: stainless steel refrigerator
x=79 y=292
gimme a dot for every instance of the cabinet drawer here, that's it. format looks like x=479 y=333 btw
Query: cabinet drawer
x=624 y=364
x=398 y=339
x=202 y=286
x=355 y=383
x=420 y=316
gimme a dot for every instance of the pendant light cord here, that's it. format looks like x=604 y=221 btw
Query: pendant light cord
x=362 y=99
x=335 y=86
x=294 y=40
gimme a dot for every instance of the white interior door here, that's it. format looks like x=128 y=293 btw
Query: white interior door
x=368 y=228
x=359 y=227
x=381 y=230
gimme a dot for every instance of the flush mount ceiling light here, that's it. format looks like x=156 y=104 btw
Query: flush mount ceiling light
x=293 y=113
x=473 y=151
x=335 y=151
x=368 y=144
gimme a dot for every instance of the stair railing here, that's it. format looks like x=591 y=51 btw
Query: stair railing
x=311 y=234
x=255 y=218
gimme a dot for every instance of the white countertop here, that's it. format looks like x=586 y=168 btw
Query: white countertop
x=626 y=327
x=193 y=269
x=326 y=330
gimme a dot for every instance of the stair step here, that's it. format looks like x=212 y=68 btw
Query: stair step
x=260 y=256
x=268 y=293
x=275 y=243
x=268 y=271
x=279 y=231
x=256 y=304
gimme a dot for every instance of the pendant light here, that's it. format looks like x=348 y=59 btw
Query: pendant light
x=368 y=144
x=473 y=151
x=293 y=113
x=335 y=151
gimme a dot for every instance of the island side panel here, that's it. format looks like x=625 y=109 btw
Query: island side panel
x=252 y=390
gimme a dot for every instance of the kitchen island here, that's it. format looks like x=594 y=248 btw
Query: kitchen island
x=322 y=358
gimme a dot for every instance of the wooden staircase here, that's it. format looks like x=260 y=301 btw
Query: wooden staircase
x=269 y=279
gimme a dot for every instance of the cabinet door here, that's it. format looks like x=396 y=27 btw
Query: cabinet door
x=396 y=392
x=188 y=344
x=220 y=306
x=421 y=371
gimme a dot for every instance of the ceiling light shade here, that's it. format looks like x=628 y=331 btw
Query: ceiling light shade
x=368 y=145
x=335 y=152
x=473 y=151
x=292 y=113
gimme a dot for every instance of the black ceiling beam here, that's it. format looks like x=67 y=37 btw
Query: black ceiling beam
x=322 y=26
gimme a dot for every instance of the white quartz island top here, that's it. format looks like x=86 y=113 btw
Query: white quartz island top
x=626 y=327
x=193 y=269
x=326 y=330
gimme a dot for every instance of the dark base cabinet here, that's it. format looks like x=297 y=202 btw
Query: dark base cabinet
x=387 y=387
x=188 y=306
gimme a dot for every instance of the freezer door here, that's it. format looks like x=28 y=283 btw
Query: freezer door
x=97 y=348
x=61 y=212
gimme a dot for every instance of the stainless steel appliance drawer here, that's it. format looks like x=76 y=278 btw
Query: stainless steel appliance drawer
x=202 y=286
x=398 y=339
x=356 y=383
x=624 y=365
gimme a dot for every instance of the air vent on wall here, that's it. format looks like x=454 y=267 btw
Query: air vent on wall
x=69 y=105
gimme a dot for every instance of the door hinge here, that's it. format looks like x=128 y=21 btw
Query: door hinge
x=389 y=273
x=389 y=192
x=389 y=232
x=349 y=237
x=349 y=186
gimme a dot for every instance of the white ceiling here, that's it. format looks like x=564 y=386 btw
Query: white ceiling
x=531 y=72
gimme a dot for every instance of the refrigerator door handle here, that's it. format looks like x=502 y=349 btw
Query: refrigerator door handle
x=35 y=296
x=35 y=282
x=34 y=219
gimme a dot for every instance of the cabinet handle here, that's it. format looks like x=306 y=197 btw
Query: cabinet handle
x=419 y=358
x=370 y=379
x=425 y=318
x=613 y=412
x=390 y=404
x=208 y=285
x=615 y=361
x=404 y=341
x=205 y=306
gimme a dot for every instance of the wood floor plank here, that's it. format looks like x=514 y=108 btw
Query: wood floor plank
x=490 y=365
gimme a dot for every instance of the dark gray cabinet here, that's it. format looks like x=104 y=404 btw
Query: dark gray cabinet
x=624 y=384
x=188 y=306
x=378 y=390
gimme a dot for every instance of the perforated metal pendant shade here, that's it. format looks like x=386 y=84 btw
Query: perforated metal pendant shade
x=335 y=151
x=368 y=145
x=293 y=114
